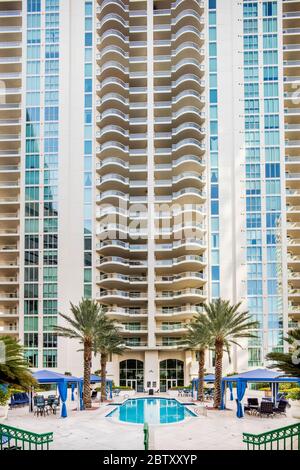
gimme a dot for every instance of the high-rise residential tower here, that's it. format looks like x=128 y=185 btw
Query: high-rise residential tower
x=149 y=159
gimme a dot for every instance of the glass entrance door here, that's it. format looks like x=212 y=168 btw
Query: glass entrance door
x=132 y=383
x=171 y=383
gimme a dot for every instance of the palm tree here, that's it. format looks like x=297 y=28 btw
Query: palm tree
x=84 y=323
x=199 y=338
x=14 y=369
x=107 y=341
x=226 y=325
x=288 y=362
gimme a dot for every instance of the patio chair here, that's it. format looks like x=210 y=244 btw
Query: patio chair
x=266 y=409
x=40 y=406
x=53 y=403
x=252 y=405
x=281 y=408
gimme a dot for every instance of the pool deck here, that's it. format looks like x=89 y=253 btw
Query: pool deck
x=92 y=430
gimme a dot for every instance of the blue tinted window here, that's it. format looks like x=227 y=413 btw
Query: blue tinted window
x=88 y=147
x=33 y=6
x=272 y=170
x=214 y=207
x=215 y=273
x=88 y=39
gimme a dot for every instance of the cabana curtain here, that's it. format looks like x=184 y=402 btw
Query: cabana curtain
x=240 y=391
x=63 y=392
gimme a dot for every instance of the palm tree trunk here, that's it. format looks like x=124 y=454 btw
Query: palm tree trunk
x=218 y=373
x=103 y=376
x=201 y=374
x=87 y=352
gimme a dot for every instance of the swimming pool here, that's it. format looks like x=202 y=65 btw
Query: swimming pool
x=151 y=411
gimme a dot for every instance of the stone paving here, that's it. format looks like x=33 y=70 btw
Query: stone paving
x=92 y=430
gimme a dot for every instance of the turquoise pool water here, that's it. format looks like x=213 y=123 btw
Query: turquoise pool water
x=151 y=411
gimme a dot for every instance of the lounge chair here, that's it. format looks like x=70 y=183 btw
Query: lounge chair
x=19 y=399
x=266 y=409
x=281 y=408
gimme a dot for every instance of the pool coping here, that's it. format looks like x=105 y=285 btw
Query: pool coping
x=185 y=420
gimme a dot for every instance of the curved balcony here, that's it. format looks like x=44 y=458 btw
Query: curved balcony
x=182 y=312
x=185 y=66
x=112 y=37
x=106 y=104
x=190 y=48
x=188 y=81
x=189 y=146
x=133 y=329
x=111 y=133
x=112 y=53
x=121 y=231
x=119 y=295
x=112 y=146
x=127 y=313
x=179 y=4
x=112 y=197
x=112 y=162
x=187 y=98
x=117 y=5
x=112 y=21
x=116 y=263
x=176 y=265
x=120 y=278
x=190 y=295
x=114 y=247
x=181 y=281
x=188 y=33
x=113 y=67
x=111 y=84
x=184 y=196
x=178 y=328
x=112 y=116
x=188 y=113
x=190 y=130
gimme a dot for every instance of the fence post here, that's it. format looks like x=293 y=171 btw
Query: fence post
x=146 y=436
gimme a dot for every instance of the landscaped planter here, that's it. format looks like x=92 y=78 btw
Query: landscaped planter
x=3 y=412
x=129 y=393
x=173 y=393
x=295 y=409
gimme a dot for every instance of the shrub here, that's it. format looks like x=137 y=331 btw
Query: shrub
x=122 y=388
x=189 y=387
x=294 y=393
x=4 y=397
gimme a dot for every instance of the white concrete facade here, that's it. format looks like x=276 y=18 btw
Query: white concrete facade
x=151 y=156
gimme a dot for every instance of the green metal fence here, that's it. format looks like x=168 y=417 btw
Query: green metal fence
x=146 y=436
x=287 y=438
x=19 y=439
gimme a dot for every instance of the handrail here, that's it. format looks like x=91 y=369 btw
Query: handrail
x=35 y=441
x=271 y=440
